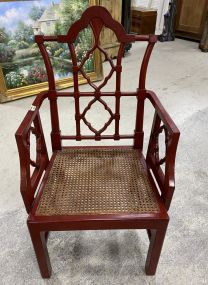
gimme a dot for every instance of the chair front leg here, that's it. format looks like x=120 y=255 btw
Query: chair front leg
x=156 y=237
x=39 y=240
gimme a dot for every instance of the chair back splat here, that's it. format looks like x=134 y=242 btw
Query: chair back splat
x=97 y=18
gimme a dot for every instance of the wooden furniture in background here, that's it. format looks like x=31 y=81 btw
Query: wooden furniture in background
x=190 y=18
x=97 y=188
x=143 y=20
x=108 y=38
x=204 y=40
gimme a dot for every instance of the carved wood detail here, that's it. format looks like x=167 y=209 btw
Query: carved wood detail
x=156 y=134
x=34 y=131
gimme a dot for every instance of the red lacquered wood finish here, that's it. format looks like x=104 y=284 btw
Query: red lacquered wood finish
x=156 y=223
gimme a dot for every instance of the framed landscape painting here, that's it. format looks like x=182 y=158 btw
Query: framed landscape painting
x=22 y=70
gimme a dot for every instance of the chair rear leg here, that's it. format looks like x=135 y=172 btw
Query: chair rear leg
x=39 y=243
x=157 y=237
x=46 y=236
x=149 y=233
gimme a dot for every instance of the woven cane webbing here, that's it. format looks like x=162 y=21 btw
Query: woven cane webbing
x=97 y=181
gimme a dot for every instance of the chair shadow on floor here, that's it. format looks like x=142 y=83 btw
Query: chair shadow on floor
x=97 y=253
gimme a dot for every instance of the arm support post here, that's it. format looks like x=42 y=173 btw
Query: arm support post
x=31 y=124
x=163 y=122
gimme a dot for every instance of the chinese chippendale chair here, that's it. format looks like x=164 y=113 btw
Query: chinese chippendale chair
x=97 y=188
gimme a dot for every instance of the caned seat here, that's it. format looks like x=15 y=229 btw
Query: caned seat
x=97 y=181
x=105 y=187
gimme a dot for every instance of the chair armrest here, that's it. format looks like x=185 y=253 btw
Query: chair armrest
x=31 y=124
x=162 y=122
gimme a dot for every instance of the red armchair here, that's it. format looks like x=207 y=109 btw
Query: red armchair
x=97 y=188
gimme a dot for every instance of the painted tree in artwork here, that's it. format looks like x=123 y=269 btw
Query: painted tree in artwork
x=36 y=12
x=23 y=35
x=69 y=12
x=4 y=36
x=6 y=52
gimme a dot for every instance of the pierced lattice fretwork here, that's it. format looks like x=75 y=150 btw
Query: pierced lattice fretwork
x=33 y=130
x=83 y=116
x=160 y=161
x=97 y=26
x=97 y=22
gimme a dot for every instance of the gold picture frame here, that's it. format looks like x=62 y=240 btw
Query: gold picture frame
x=7 y=94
